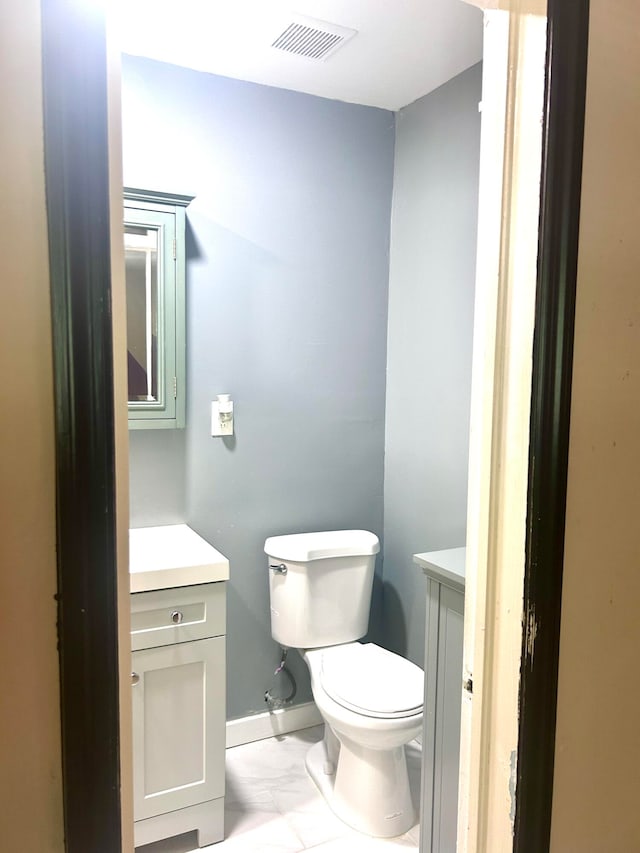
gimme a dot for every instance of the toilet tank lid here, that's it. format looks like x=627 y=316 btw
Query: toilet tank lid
x=303 y=547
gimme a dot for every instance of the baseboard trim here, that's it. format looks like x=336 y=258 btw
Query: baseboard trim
x=272 y=723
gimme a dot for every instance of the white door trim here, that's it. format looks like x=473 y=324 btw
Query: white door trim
x=510 y=168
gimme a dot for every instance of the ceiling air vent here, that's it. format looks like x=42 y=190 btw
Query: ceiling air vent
x=312 y=39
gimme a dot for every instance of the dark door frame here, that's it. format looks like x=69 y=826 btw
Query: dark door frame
x=77 y=189
x=566 y=77
x=77 y=179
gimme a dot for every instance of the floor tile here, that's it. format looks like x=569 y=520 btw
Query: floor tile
x=272 y=806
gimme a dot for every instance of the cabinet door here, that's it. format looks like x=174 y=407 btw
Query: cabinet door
x=449 y=699
x=154 y=231
x=178 y=726
x=441 y=727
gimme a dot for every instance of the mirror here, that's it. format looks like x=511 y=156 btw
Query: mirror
x=141 y=269
x=154 y=230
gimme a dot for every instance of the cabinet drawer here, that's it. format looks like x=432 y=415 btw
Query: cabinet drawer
x=177 y=615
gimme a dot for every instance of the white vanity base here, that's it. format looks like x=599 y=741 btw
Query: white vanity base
x=178 y=628
x=206 y=818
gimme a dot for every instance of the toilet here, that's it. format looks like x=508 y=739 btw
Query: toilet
x=370 y=699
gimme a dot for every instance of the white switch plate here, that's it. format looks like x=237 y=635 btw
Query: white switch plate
x=216 y=427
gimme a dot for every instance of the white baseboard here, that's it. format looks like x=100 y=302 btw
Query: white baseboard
x=272 y=723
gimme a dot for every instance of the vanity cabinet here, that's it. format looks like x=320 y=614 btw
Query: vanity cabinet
x=444 y=630
x=178 y=700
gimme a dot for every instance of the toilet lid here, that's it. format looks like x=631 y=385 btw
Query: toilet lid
x=372 y=681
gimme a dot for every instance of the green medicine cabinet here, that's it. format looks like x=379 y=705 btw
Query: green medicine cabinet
x=154 y=248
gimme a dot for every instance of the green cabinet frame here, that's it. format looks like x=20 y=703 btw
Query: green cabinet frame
x=164 y=213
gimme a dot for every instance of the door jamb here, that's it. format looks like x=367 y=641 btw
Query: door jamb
x=518 y=532
x=567 y=41
x=77 y=195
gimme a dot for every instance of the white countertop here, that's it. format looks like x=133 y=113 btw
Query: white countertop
x=446 y=566
x=172 y=555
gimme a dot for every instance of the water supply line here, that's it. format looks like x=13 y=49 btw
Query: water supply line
x=275 y=702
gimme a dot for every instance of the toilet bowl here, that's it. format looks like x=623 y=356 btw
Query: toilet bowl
x=360 y=767
x=370 y=699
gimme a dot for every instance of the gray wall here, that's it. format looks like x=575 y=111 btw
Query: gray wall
x=287 y=282
x=157 y=473
x=431 y=288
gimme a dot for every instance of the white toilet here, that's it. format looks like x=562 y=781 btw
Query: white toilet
x=370 y=699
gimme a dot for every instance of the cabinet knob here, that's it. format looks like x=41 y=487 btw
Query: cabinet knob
x=135 y=678
x=177 y=616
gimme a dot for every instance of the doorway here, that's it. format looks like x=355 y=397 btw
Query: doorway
x=105 y=631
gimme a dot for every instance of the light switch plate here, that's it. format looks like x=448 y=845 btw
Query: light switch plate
x=216 y=427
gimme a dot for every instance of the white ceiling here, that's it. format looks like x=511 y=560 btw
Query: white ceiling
x=404 y=48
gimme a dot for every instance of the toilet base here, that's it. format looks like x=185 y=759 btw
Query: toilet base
x=369 y=790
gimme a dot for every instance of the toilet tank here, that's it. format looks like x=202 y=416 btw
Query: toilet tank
x=320 y=588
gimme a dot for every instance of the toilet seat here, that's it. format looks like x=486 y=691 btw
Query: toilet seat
x=371 y=681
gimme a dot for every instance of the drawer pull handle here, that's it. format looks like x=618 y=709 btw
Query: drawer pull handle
x=177 y=616
x=135 y=678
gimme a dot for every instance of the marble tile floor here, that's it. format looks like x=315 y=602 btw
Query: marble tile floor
x=272 y=806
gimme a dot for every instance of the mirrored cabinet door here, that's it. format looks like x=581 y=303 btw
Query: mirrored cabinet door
x=155 y=288
x=141 y=263
x=150 y=276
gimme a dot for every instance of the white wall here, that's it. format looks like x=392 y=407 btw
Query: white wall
x=30 y=763
x=597 y=769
